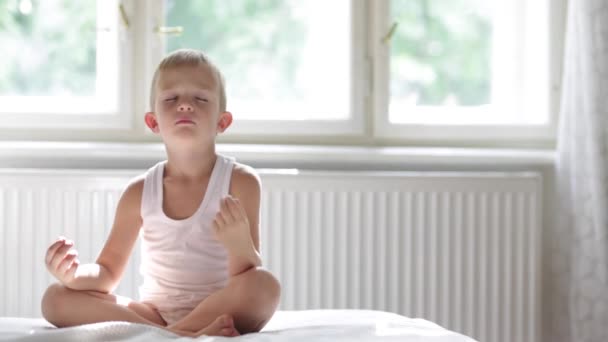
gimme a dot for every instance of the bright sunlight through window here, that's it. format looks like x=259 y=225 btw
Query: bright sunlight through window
x=282 y=59
x=58 y=57
x=467 y=62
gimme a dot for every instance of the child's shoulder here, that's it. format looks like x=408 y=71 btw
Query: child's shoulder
x=245 y=179
x=135 y=187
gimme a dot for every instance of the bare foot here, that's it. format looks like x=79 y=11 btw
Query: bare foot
x=180 y=332
x=222 y=326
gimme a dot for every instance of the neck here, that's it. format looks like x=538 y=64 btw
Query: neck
x=190 y=164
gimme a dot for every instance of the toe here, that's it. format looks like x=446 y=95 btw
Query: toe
x=226 y=320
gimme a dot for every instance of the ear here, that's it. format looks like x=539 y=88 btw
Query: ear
x=224 y=121
x=151 y=122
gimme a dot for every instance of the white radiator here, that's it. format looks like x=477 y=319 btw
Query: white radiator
x=459 y=249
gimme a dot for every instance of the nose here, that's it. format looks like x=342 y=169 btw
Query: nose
x=185 y=107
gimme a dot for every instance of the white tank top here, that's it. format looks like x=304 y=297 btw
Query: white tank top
x=181 y=261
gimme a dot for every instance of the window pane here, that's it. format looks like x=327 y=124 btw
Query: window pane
x=440 y=56
x=282 y=59
x=61 y=57
x=48 y=48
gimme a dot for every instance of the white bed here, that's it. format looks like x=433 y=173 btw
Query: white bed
x=309 y=325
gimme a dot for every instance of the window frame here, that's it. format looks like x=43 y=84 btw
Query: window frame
x=89 y=118
x=352 y=126
x=507 y=134
x=368 y=126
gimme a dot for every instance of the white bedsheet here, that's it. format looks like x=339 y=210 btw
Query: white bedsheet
x=297 y=326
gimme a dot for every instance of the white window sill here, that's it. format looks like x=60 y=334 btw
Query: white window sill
x=142 y=156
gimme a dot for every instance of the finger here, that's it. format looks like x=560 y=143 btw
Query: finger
x=219 y=219
x=60 y=254
x=216 y=226
x=53 y=249
x=235 y=211
x=71 y=271
x=67 y=261
x=240 y=206
x=225 y=211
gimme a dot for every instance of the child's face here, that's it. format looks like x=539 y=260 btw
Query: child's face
x=187 y=106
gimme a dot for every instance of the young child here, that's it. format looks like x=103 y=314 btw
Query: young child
x=197 y=214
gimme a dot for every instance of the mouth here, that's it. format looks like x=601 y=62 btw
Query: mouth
x=184 y=121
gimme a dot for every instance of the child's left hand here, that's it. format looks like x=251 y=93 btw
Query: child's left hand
x=231 y=226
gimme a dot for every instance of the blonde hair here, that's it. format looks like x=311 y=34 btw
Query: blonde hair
x=188 y=57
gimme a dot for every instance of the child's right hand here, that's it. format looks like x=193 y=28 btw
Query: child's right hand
x=61 y=261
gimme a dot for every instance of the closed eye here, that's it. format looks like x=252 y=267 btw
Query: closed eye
x=202 y=99
x=171 y=99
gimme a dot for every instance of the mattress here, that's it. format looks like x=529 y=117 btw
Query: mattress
x=297 y=326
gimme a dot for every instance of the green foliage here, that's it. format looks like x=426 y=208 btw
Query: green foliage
x=50 y=50
x=242 y=37
x=450 y=43
x=439 y=51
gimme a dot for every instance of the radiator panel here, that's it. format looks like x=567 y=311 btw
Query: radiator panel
x=459 y=249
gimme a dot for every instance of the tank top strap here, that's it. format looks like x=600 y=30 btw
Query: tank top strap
x=151 y=192
x=223 y=186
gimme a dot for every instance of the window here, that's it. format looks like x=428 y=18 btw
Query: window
x=463 y=69
x=441 y=57
x=287 y=63
x=356 y=71
x=61 y=64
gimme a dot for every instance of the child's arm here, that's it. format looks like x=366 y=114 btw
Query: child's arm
x=105 y=273
x=127 y=223
x=237 y=223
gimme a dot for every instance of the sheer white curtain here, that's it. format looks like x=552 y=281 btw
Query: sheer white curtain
x=579 y=257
